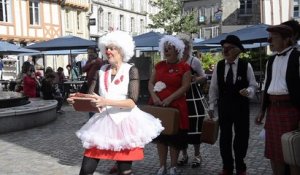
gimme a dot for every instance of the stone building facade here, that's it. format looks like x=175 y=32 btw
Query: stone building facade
x=222 y=16
x=127 y=15
x=75 y=15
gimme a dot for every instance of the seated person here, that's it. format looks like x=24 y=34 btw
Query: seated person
x=30 y=84
x=51 y=91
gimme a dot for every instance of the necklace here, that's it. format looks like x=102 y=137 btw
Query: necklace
x=172 y=67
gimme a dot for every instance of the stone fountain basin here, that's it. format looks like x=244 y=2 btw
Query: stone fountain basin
x=36 y=113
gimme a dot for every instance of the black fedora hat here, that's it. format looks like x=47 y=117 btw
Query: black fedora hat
x=234 y=40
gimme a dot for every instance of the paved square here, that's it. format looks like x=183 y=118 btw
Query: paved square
x=53 y=149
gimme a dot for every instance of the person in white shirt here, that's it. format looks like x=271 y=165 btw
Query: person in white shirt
x=281 y=96
x=232 y=84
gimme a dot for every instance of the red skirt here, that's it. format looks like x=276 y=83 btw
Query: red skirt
x=124 y=155
x=281 y=117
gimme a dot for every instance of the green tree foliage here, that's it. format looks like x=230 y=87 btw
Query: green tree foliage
x=170 y=17
x=256 y=58
x=209 y=59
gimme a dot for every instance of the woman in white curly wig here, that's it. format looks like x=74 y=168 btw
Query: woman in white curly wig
x=194 y=102
x=121 y=130
x=167 y=86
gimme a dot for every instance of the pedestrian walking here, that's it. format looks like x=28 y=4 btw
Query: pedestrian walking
x=1 y=66
x=281 y=96
x=232 y=84
x=91 y=68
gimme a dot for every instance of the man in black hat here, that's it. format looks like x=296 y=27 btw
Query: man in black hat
x=232 y=84
x=281 y=95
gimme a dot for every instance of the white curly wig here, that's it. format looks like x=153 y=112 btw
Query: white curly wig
x=119 y=39
x=187 y=40
x=174 y=41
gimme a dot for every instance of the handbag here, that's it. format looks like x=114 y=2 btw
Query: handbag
x=169 y=117
x=210 y=130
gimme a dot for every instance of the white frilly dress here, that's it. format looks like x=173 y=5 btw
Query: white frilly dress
x=118 y=133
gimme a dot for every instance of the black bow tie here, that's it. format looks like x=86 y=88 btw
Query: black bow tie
x=284 y=53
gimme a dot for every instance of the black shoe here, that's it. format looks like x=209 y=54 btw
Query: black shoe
x=183 y=161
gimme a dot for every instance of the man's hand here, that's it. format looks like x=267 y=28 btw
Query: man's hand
x=244 y=92
x=259 y=118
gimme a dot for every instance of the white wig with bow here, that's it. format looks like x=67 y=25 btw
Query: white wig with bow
x=174 y=41
x=119 y=39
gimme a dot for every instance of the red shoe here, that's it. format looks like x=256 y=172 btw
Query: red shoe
x=241 y=173
x=226 y=172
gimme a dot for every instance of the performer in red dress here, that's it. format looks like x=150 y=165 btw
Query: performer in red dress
x=167 y=86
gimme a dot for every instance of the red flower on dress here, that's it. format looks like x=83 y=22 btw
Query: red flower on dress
x=117 y=81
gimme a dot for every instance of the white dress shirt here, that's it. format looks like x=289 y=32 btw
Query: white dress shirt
x=214 y=89
x=278 y=84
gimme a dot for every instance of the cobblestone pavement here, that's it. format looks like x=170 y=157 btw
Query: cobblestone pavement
x=53 y=149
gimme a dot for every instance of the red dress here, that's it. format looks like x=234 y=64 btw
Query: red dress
x=171 y=75
x=29 y=86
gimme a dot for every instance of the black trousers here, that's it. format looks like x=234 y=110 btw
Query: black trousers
x=89 y=166
x=234 y=134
